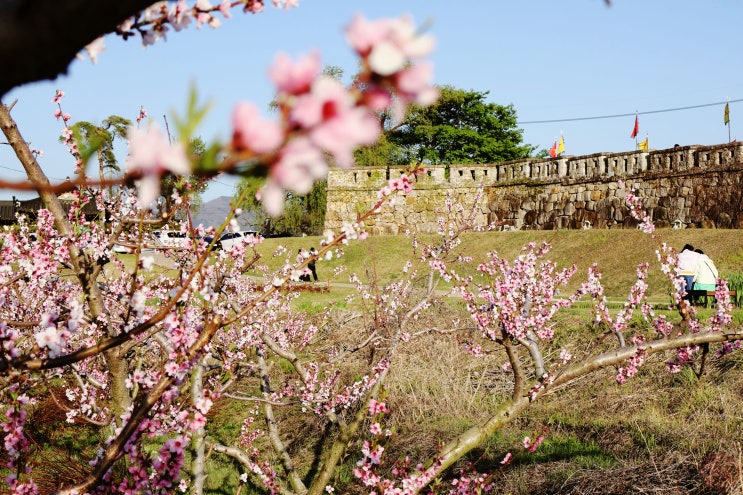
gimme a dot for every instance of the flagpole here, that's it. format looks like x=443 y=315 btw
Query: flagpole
x=727 y=108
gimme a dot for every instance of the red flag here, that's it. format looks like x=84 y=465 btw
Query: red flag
x=636 y=129
x=553 y=150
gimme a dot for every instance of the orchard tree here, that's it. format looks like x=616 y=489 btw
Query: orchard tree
x=461 y=127
x=138 y=357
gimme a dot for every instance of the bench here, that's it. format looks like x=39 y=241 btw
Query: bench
x=706 y=297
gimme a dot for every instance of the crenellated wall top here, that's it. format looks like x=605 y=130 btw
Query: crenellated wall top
x=549 y=170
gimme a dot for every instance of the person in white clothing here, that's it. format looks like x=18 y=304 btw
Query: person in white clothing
x=687 y=265
x=705 y=273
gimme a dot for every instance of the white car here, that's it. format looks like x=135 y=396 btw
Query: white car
x=230 y=238
x=171 y=238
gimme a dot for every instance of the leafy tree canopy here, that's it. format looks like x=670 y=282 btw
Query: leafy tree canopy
x=302 y=214
x=99 y=139
x=462 y=127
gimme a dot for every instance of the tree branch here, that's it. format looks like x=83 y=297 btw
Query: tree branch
x=474 y=437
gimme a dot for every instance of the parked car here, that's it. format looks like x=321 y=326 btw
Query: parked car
x=230 y=238
x=171 y=238
x=128 y=245
x=118 y=248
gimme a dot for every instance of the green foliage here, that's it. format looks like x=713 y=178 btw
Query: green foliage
x=735 y=282
x=99 y=139
x=290 y=223
x=586 y=454
x=461 y=128
x=250 y=205
x=195 y=114
x=315 y=204
x=190 y=186
x=302 y=214
x=384 y=152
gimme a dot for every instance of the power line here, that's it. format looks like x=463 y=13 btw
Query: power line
x=222 y=183
x=24 y=172
x=628 y=114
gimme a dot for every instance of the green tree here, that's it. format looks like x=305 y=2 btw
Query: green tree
x=302 y=214
x=461 y=128
x=99 y=140
x=190 y=186
x=250 y=205
x=382 y=153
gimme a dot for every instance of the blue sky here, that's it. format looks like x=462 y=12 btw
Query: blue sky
x=551 y=60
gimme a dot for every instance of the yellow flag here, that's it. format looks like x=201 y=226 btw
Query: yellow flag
x=643 y=145
x=561 y=146
x=726 y=117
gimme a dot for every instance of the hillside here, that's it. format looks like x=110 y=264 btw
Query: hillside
x=616 y=252
x=212 y=213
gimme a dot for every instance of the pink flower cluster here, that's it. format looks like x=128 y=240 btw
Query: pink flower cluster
x=151 y=156
x=633 y=364
x=636 y=210
x=532 y=445
x=404 y=184
x=68 y=137
x=386 y=48
x=320 y=117
x=154 y=22
x=521 y=297
x=16 y=443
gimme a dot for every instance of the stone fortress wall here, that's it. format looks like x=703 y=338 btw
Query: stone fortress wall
x=682 y=187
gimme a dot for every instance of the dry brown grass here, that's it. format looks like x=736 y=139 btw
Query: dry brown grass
x=659 y=429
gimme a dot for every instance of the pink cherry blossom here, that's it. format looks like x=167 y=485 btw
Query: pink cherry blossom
x=341 y=135
x=252 y=132
x=199 y=421
x=142 y=114
x=388 y=44
x=300 y=164
x=150 y=156
x=294 y=78
x=414 y=82
x=334 y=121
x=179 y=15
x=363 y=34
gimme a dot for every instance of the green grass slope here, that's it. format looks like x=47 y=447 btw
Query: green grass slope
x=616 y=252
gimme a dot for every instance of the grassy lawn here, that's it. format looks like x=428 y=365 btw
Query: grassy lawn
x=616 y=253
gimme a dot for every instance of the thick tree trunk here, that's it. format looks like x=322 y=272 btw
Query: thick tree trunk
x=85 y=270
x=39 y=38
x=198 y=464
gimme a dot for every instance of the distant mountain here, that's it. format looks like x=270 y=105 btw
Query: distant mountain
x=212 y=214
